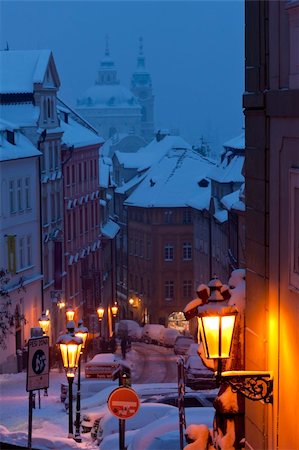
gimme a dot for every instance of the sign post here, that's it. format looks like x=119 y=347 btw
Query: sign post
x=37 y=373
x=123 y=403
x=181 y=394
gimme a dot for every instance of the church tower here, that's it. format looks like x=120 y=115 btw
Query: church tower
x=141 y=86
x=107 y=73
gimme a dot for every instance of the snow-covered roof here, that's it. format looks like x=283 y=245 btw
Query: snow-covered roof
x=171 y=181
x=107 y=96
x=22 y=148
x=237 y=143
x=23 y=114
x=110 y=229
x=229 y=172
x=104 y=172
x=77 y=135
x=130 y=184
x=232 y=201
x=21 y=69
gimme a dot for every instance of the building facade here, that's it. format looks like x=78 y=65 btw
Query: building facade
x=20 y=256
x=271 y=106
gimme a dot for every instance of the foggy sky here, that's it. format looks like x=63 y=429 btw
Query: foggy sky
x=194 y=51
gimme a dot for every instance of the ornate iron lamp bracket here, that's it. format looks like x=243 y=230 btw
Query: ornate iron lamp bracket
x=254 y=385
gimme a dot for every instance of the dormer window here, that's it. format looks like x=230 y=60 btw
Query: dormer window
x=10 y=136
x=49 y=108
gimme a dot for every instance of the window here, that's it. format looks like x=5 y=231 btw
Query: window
x=136 y=247
x=27 y=193
x=10 y=136
x=148 y=249
x=45 y=210
x=168 y=252
x=187 y=217
x=29 y=251
x=21 y=253
x=91 y=169
x=20 y=195
x=141 y=248
x=169 y=290
x=58 y=209
x=74 y=225
x=68 y=178
x=92 y=216
x=51 y=159
x=81 y=221
x=80 y=172
x=85 y=170
x=187 y=288
x=69 y=227
x=12 y=197
x=187 y=251
x=49 y=108
x=86 y=220
x=53 y=217
x=168 y=217
x=56 y=155
x=73 y=175
x=43 y=162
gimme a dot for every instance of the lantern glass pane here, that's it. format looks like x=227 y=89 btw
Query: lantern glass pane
x=72 y=355
x=70 y=315
x=63 y=350
x=227 y=328
x=44 y=324
x=211 y=325
x=83 y=336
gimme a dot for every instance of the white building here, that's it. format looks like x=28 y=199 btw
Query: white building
x=20 y=252
x=112 y=109
x=29 y=84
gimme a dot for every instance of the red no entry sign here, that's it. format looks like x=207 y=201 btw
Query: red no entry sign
x=123 y=403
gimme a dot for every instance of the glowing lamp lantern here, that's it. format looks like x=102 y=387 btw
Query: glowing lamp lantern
x=70 y=348
x=216 y=327
x=44 y=322
x=131 y=301
x=70 y=314
x=114 y=309
x=100 y=312
x=81 y=332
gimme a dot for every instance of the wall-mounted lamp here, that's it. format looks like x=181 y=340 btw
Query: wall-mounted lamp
x=216 y=324
x=100 y=311
x=114 y=309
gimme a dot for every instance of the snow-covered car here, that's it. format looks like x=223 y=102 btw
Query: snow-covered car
x=148 y=437
x=182 y=344
x=102 y=365
x=197 y=376
x=91 y=416
x=191 y=399
x=146 y=414
x=112 y=442
x=168 y=337
x=152 y=333
x=129 y=328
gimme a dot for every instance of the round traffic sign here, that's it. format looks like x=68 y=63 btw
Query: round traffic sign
x=123 y=403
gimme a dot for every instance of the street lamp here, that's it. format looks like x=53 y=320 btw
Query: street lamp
x=70 y=348
x=100 y=312
x=82 y=333
x=70 y=313
x=216 y=324
x=114 y=309
x=44 y=322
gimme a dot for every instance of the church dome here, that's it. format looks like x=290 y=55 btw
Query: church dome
x=108 y=96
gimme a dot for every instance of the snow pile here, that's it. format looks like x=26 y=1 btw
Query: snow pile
x=201 y=437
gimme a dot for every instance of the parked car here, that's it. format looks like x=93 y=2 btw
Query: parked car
x=102 y=365
x=152 y=333
x=129 y=328
x=111 y=442
x=191 y=399
x=146 y=414
x=168 y=337
x=197 y=376
x=148 y=437
x=182 y=344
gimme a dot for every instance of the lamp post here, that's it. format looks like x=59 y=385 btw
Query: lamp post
x=100 y=312
x=82 y=333
x=114 y=311
x=70 y=348
x=70 y=313
x=44 y=322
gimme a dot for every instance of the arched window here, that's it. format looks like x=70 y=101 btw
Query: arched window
x=49 y=108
